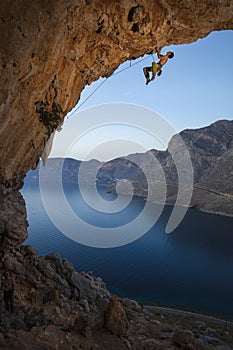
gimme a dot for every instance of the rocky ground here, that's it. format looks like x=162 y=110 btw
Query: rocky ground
x=57 y=307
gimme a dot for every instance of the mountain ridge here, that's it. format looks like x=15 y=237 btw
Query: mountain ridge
x=211 y=153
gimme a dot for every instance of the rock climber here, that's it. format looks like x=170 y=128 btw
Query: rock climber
x=8 y=286
x=156 y=68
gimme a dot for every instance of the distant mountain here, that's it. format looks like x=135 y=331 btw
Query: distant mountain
x=65 y=168
x=211 y=153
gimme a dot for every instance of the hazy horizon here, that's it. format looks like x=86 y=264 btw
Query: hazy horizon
x=127 y=154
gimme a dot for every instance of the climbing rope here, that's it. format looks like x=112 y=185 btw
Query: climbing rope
x=91 y=94
x=99 y=86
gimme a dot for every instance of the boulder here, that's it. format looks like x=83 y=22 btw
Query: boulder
x=183 y=337
x=88 y=286
x=115 y=319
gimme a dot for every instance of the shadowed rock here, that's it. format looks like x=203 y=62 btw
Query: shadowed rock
x=115 y=318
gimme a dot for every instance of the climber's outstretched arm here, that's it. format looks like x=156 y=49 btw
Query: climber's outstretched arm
x=159 y=55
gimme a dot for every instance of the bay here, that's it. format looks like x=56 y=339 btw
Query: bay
x=191 y=268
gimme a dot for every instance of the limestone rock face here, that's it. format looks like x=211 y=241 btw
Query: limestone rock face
x=13 y=223
x=50 y=50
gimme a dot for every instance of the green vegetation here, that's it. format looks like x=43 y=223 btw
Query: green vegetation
x=50 y=117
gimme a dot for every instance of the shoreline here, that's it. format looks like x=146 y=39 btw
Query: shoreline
x=191 y=314
x=191 y=206
x=140 y=196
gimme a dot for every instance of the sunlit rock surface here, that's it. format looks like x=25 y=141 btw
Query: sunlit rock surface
x=51 y=50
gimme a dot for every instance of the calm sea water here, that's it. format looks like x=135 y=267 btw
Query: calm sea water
x=191 y=268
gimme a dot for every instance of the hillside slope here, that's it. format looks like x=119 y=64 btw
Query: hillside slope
x=211 y=153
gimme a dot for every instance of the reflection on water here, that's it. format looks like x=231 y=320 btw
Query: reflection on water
x=190 y=268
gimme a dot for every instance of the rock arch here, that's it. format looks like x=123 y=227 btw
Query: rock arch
x=51 y=50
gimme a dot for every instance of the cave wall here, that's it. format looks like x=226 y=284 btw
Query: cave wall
x=51 y=49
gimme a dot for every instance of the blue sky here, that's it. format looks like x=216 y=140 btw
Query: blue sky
x=195 y=89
